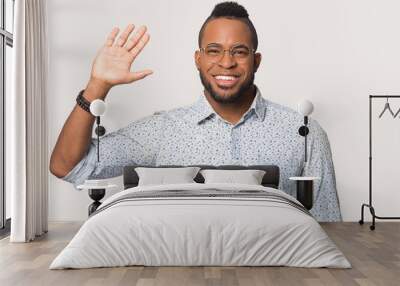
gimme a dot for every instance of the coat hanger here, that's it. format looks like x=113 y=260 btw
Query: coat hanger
x=387 y=107
x=398 y=111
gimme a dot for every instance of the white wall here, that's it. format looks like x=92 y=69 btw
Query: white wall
x=335 y=53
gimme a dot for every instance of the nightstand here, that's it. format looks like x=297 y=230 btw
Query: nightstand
x=96 y=190
x=305 y=190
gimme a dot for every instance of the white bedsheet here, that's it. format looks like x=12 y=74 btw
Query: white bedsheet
x=200 y=231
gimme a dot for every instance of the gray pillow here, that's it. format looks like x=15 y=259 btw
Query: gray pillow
x=249 y=177
x=162 y=176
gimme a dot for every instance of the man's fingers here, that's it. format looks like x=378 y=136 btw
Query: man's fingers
x=134 y=76
x=140 y=45
x=111 y=37
x=135 y=38
x=124 y=36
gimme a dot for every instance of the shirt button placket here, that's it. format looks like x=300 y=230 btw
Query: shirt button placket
x=235 y=149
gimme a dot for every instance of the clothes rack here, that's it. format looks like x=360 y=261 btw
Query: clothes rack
x=369 y=205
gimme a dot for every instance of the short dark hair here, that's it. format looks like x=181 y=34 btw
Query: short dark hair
x=231 y=10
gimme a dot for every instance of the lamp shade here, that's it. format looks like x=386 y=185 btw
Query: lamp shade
x=97 y=107
x=305 y=107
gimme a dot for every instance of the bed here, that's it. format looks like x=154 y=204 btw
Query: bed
x=201 y=224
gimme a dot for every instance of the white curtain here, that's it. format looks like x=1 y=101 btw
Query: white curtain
x=26 y=123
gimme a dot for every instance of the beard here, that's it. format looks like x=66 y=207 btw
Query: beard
x=229 y=99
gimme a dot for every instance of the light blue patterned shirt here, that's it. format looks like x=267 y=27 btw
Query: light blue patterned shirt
x=267 y=134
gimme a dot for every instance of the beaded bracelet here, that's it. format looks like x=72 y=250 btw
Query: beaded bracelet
x=82 y=102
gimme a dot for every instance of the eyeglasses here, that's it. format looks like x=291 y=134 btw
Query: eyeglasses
x=215 y=53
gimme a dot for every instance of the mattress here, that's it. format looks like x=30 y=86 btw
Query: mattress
x=201 y=225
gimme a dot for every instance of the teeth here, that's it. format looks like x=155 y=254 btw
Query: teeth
x=225 y=77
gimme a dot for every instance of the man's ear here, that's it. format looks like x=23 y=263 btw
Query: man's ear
x=197 y=59
x=257 y=61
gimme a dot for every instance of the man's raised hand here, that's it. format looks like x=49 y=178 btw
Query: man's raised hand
x=114 y=60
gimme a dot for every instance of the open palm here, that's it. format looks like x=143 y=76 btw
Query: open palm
x=114 y=60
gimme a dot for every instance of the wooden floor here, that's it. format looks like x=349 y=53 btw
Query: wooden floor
x=375 y=257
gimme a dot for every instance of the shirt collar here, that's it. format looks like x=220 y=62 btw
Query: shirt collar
x=259 y=105
x=204 y=110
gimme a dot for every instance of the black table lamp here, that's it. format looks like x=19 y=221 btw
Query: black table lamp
x=304 y=190
x=96 y=193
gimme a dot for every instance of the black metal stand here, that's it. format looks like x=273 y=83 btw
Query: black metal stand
x=369 y=205
x=96 y=195
x=305 y=192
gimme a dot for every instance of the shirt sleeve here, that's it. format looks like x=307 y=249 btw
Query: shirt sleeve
x=136 y=144
x=326 y=203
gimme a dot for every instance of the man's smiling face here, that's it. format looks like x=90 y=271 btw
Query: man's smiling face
x=228 y=77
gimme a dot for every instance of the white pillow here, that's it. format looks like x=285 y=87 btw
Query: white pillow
x=249 y=177
x=162 y=176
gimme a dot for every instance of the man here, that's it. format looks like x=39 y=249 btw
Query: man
x=230 y=124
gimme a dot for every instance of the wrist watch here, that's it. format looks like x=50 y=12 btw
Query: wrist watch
x=82 y=102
